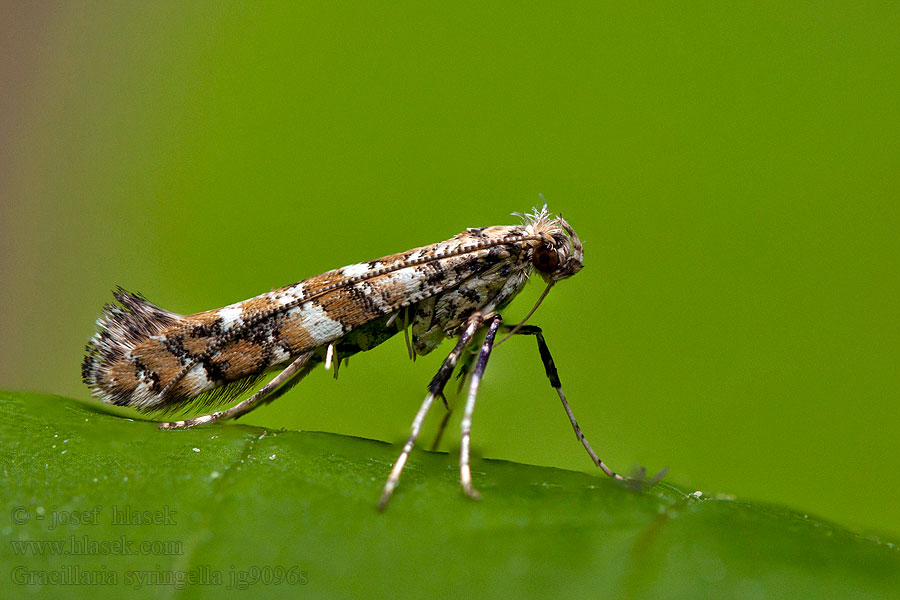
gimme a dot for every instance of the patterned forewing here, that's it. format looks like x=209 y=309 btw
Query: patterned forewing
x=210 y=349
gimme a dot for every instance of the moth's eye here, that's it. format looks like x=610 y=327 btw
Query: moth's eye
x=545 y=259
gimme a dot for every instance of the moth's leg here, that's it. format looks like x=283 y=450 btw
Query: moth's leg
x=435 y=389
x=269 y=392
x=553 y=376
x=462 y=375
x=465 y=475
x=441 y=427
x=465 y=366
x=409 y=348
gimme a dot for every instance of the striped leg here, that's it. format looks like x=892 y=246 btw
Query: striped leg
x=269 y=392
x=465 y=365
x=465 y=475
x=435 y=389
x=553 y=376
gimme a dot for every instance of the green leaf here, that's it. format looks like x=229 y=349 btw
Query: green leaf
x=209 y=511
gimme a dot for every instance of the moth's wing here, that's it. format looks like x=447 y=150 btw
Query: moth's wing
x=145 y=357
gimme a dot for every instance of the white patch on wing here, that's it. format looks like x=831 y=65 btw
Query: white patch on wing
x=279 y=355
x=407 y=278
x=355 y=270
x=289 y=294
x=417 y=255
x=197 y=380
x=231 y=316
x=313 y=318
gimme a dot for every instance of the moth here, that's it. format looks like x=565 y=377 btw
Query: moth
x=159 y=361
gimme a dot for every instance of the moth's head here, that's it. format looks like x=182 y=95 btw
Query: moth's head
x=558 y=253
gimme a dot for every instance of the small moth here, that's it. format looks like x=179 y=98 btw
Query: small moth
x=160 y=361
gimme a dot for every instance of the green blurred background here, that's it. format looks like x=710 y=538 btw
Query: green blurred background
x=732 y=171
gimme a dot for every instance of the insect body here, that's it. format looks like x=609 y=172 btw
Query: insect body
x=159 y=361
